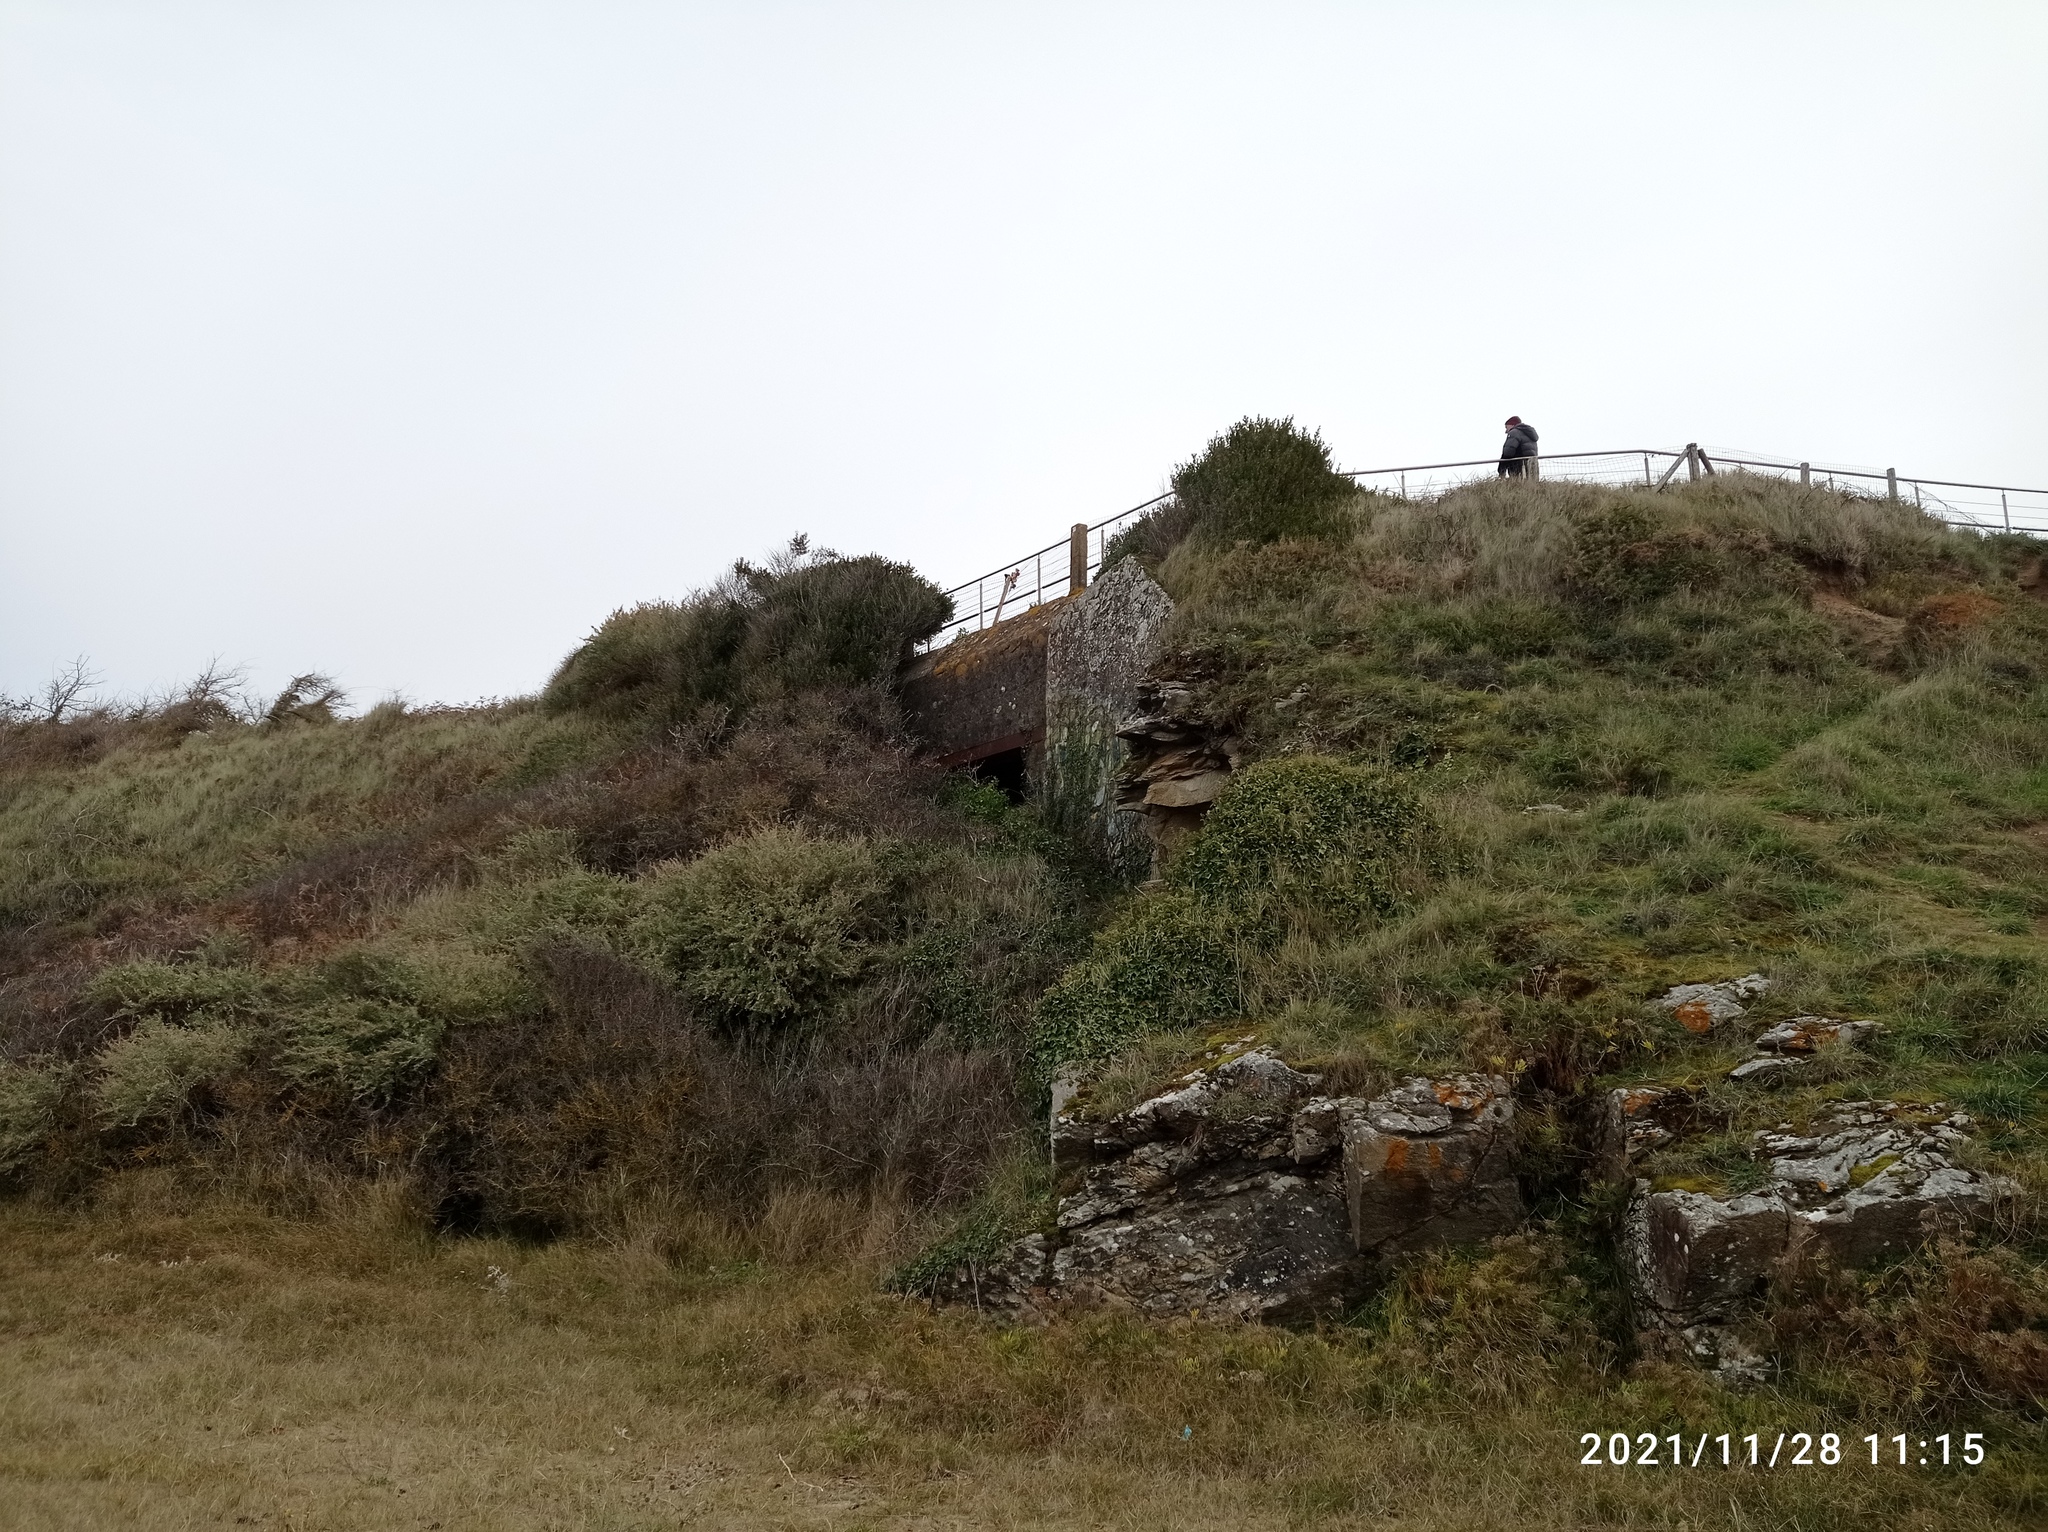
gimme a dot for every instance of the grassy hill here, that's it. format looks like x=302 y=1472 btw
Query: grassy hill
x=510 y=1116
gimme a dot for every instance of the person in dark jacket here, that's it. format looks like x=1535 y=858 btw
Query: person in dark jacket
x=1518 y=449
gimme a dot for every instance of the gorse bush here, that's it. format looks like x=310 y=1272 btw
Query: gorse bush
x=368 y=1048
x=29 y=1101
x=801 y=622
x=158 y=1070
x=764 y=928
x=1260 y=481
x=833 y=621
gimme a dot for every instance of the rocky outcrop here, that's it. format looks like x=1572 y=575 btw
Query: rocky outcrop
x=1783 y=1051
x=1431 y=1163
x=1875 y=1178
x=1242 y=1192
x=1701 y=1008
x=1178 y=765
x=1642 y=1118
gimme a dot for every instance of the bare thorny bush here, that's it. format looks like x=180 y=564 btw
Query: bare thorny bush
x=66 y=724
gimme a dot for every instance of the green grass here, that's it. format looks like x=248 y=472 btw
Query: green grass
x=763 y=1006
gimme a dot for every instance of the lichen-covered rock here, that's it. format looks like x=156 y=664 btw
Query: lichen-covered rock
x=1805 y=1035
x=1194 y=1200
x=1243 y=1241
x=1641 y=1118
x=1703 y=1007
x=1240 y=1192
x=1782 y=1051
x=1877 y=1179
x=1766 y=1068
x=1431 y=1163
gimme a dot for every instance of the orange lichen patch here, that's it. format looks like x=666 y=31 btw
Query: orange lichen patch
x=1448 y=1092
x=1953 y=611
x=1695 y=1017
x=1636 y=1101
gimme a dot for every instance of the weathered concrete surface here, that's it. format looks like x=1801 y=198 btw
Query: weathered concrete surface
x=1877 y=1178
x=983 y=693
x=1238 y=1192
x=1701 y=1008
x=1098 y=648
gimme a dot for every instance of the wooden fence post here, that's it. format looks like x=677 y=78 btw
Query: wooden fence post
x=1806 y=475
x=1891 y=483
x=2006 y=506
x=1692 y=462
x=1077 y=557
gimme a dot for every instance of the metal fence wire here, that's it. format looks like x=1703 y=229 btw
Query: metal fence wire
x=1046 y=574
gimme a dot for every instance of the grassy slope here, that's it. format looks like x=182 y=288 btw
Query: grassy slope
x=1844 y=788
x=1849 y=793
x=344 y=1374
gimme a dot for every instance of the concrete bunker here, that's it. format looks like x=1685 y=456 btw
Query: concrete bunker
x=1033 y=704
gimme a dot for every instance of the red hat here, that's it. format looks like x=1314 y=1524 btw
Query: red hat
x=1514 y=420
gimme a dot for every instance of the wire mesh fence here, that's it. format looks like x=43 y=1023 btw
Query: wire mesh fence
x=1047 y=574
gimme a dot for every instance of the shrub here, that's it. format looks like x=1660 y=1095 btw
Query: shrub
x=1260 y=481
x=656 y=662
x=1151 y=536
x=529 y=1126
x=29 y=1098
x=1167 y=962
x=155 y=1072
x=835 y=622
x=175 y=991
x=1620 y=555
x=1305 y=831
x=800 y=622
x=765 y=927
x=367 y=1047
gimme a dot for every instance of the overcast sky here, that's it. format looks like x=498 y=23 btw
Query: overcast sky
x=405 y=341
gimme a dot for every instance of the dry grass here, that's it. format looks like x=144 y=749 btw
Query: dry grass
x=173 y=1366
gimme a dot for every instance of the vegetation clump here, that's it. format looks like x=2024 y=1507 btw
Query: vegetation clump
x=761 y=930
x=697 y=955
x=800 y=622
x=1309 y=833
x=1258 y=482
x=1167 y=962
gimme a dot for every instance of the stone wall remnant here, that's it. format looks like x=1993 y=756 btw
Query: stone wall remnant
x=1099 y=646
